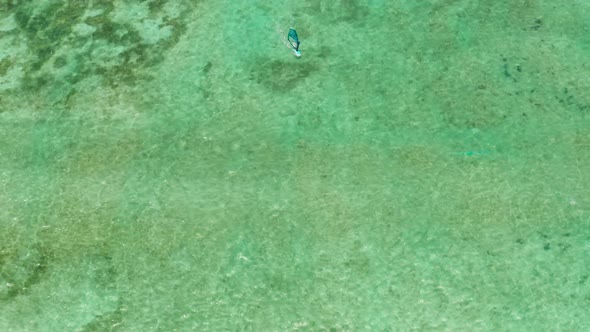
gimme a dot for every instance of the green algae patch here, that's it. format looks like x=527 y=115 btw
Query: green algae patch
x=63 y=43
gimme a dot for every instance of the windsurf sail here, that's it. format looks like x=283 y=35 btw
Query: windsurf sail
x=294 y=40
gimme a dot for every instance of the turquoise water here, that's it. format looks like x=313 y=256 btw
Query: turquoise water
x=172 y=166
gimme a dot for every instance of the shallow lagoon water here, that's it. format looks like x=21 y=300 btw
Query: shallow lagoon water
x=172 y=166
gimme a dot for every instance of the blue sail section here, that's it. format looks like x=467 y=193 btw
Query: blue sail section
x=293 y=39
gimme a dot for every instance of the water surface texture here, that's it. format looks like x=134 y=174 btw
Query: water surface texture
x=172 y=166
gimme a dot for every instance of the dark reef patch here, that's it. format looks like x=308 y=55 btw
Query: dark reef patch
x=282 y=76
x=53 y=37
x=338 y=11
x=20 y=270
